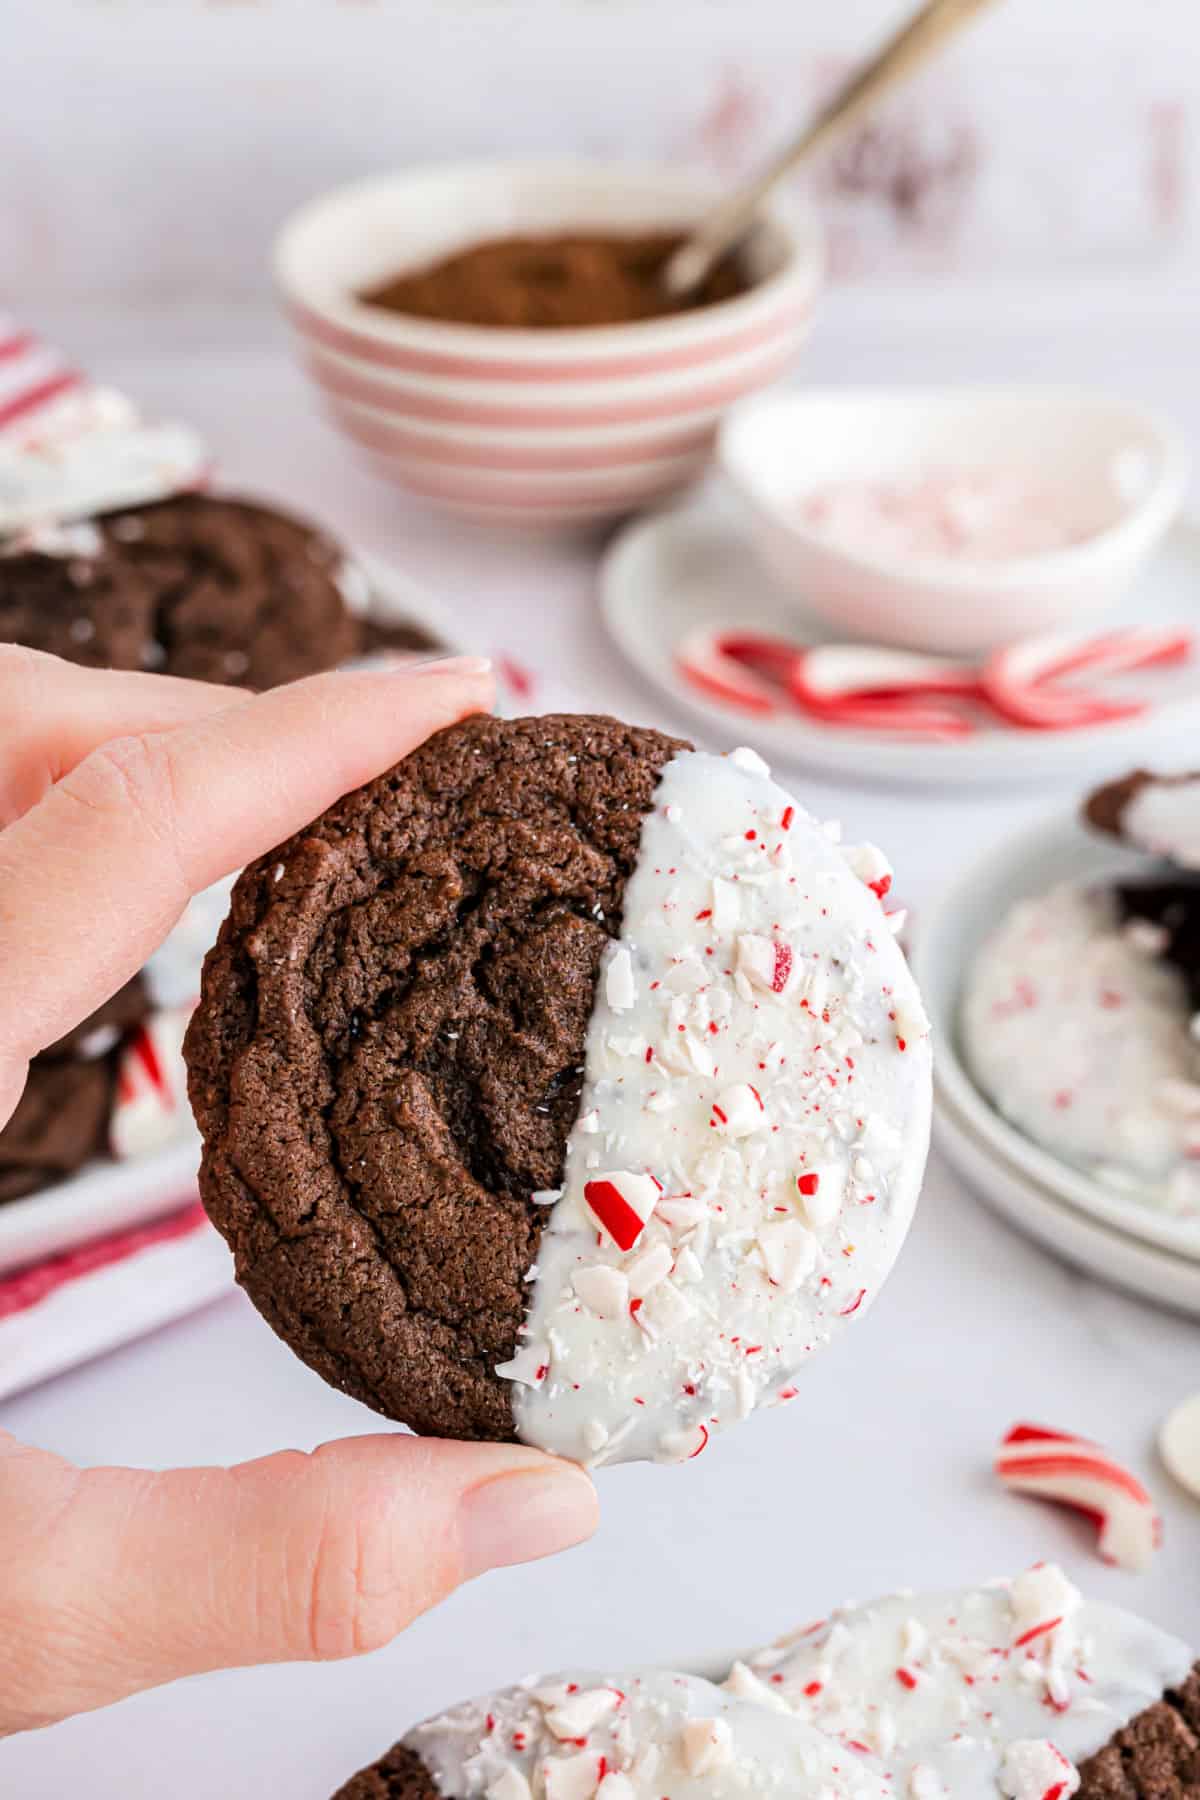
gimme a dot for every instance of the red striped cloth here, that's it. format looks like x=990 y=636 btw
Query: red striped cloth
x=28 y=1287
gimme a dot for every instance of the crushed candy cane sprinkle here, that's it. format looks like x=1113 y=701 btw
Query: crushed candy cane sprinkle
x=751 y=1135
x=997 y=1690
x=1074 y=1472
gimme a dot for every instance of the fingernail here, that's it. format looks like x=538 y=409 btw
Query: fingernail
x=529 y=1513
x=455 y=665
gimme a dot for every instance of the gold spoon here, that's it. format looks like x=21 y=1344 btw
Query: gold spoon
x=729 y=221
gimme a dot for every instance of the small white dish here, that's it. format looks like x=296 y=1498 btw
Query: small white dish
x=1123 y=467
x=105 y=1197
x=950 y=933
x=692 y=567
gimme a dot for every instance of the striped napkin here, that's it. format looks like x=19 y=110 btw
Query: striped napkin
x=77 y=1305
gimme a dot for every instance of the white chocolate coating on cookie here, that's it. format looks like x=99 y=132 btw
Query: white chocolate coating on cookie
x=633 y=1736
x=1163 y=818
x=91 y=453
x=752 y=1131
x=972 y=1693
x=1079 y=1034
x=994 y=1690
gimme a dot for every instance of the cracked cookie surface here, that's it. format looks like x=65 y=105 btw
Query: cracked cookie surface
x=387 y=1058
x=201 y=585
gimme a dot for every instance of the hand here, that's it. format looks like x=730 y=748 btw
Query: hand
x=122 y=795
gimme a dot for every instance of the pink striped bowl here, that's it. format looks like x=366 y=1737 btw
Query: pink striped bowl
x=530 y=428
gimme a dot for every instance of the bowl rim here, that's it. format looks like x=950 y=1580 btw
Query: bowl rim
x=941 y=974
x=797 y=280
x=1133 y=531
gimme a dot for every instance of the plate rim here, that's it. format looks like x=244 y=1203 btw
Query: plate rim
x=854 y=754
x=941 y=988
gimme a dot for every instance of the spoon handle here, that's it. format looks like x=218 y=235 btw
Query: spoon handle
x=916 y=40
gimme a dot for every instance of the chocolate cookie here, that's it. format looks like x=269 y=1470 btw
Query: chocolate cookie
x=400 y=1775
x=60 y=1123
x=62 y=1118
x=1155 y=1757
x=202 y=586
x=507 y=1063
x=77 y=600
x=1157 y=814
x=388 y=1053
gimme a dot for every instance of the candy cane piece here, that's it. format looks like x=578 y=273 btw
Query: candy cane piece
x=1119 y=652
x=703 y=660
x=1015 y=685
x=869 y=671
x=1054 y=1465
x=151 y=1097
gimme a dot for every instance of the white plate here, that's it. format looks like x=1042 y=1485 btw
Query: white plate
x=104 y=1196
x=695 y=566
x=1122 y=1261
x=950 y=933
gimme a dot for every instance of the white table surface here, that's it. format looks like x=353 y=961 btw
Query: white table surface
x=880 y=1476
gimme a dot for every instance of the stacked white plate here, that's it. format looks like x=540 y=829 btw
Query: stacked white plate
x=1113 y=1235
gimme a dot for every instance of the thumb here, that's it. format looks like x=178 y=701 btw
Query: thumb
x=112 y=1580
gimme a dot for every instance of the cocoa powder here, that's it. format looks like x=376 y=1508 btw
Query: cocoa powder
x=577 y=278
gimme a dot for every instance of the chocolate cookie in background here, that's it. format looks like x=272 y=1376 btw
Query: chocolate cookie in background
x=1159 y=815
x=62 y=1119
x=1019 y=1689
x=202 y=586
x=562 y=1084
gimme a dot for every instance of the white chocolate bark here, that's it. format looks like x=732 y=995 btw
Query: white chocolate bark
x=1163 y=818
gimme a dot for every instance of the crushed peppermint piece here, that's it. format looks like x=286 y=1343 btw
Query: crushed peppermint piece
x=619 y=986
x=707 y=1745
x=621 y=1203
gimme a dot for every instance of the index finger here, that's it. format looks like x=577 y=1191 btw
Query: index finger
x=55 y=712
x=93 y=877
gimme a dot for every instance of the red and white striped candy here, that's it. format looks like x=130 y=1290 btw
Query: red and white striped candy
x=151 y=1097
x=1053 y=1465
x=767 y=963
x=704 y=659
x=620 y=1203
x=872 y=689
x=1119 y=652
x=1022 y=681
x=33 y=377
x=834 y=672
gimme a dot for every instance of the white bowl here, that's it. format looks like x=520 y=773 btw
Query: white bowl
x=951 y=932
x=531 y=427
x=778 y=449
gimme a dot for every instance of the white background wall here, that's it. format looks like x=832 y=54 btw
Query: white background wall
x=149 y=147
